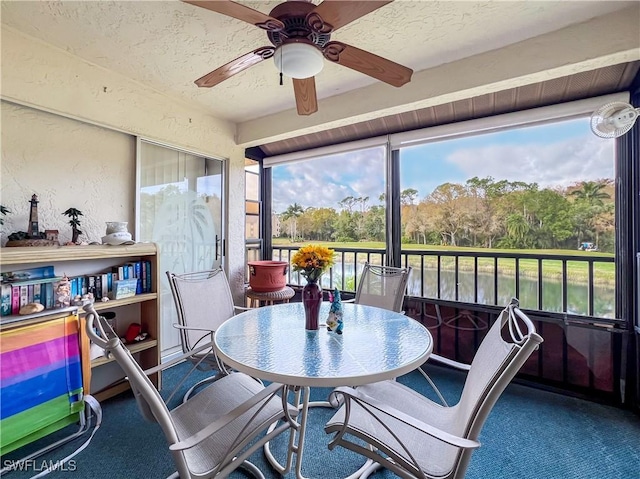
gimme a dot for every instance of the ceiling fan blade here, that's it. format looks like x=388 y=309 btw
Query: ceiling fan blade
x=333 y=14
x=367 y=63
x=241 y=12
x=305 y=91
x=235 y=66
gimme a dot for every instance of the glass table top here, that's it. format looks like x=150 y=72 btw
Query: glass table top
x=271 y=343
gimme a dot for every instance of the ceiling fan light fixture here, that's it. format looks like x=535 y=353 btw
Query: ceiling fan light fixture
x=298 y=60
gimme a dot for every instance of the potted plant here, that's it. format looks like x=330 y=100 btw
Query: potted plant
x=74 y=222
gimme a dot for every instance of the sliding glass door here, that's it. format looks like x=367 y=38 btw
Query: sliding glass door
x=180 y=209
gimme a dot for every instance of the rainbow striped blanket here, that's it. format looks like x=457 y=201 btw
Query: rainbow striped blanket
x=40 y=380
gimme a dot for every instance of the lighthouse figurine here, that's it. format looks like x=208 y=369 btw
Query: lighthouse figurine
x=334 y=321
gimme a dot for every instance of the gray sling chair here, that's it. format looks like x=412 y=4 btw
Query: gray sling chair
x=385 y=287
x=217 y=429
x=382 y=287
x=415 y=437
x=203 y=302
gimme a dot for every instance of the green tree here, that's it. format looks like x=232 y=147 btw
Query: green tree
x=517 y=228
x=553 y=222
x=345 y=227
x=485 y=215
x=589 y=206
x=348 y=203
x=408 y=196
x=451 y=211
x=374 y=223
x=592 y=192
x=290 y=217
x=322 y=223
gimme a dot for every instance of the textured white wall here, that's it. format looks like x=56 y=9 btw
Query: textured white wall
x=68 y=164
x=44 y=77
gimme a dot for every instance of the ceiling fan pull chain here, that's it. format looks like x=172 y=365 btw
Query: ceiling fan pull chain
x=280 y=67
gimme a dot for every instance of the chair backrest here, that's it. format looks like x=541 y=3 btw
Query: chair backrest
x=214 y=432
x=382 y=286
x=495 y=364
x=203 y=300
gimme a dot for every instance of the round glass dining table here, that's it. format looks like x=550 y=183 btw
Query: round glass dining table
x=271 y=343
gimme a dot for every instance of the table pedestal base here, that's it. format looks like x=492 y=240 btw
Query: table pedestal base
x=297 y=447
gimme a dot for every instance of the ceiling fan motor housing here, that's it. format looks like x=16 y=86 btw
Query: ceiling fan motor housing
x=297 y=26
x=298 y=46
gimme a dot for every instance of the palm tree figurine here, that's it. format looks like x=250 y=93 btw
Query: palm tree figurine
x=74 y=222
x=3 y=210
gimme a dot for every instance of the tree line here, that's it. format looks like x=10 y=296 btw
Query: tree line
x=481 y=212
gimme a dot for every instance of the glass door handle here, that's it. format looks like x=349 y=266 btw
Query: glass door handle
x=219 y=249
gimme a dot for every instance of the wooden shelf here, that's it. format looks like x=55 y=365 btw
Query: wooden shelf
x=114 y=303
x=39 y=254
x=99 y=305
x=89 y=260
x=134 y=348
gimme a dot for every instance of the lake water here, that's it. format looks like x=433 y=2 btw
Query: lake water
x=577 y=294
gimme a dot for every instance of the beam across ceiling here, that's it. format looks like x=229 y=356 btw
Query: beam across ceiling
x=603 y=41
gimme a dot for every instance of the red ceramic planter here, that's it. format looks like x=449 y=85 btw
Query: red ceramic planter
x=267 y=275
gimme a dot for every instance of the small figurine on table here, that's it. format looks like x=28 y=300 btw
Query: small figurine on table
x=334 y=321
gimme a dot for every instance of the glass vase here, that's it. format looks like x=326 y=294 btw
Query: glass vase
x=311 y=300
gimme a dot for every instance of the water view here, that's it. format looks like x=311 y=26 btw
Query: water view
x=552 y=294
x=577 y=294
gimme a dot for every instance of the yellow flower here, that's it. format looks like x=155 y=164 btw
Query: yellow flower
x=312 y=260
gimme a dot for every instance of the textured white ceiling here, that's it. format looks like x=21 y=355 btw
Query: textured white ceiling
x=166 y=45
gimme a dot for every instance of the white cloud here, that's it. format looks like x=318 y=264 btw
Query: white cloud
x=325 y=182
x=552 y=164
x=548 y=162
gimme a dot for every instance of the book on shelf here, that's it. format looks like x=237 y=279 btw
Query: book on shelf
x=15 y=299
x=74 y=286
x=37 y=293
x=24 y=295
x=5 y=309
x=38 y=285
x=31 y=274
x=138 y=275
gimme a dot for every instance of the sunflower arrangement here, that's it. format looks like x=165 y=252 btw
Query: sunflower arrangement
x=312 y=260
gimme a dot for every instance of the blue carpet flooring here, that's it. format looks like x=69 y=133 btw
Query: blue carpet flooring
x=530 y=434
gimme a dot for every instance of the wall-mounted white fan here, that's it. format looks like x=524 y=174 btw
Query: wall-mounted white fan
x=613 y=119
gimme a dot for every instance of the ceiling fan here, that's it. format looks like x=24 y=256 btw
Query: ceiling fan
x=300 y=35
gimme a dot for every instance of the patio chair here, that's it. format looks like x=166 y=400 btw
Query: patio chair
x=203 y=302
x=382 y=287
x=414 y=437
x=215 y=430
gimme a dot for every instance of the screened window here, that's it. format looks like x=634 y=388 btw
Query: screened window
x=523 y=193
x=337 y=200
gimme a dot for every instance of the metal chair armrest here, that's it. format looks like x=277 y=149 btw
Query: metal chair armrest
x=449 y=362
x=368 y=403
x=176 y=360
x=191 y=328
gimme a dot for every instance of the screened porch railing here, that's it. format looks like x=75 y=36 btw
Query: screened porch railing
x=486 y=278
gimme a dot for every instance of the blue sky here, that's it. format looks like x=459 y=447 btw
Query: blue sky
x=557 y=154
